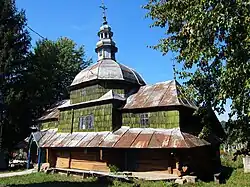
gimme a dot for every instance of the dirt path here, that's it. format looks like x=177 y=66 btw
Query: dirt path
x=12 y=174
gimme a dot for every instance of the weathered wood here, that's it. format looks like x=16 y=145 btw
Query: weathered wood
x=89 y=165
x=101 y=154
x=47 y=155
x=62 y=162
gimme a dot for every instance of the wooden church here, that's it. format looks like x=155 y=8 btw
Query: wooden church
x=113 y=118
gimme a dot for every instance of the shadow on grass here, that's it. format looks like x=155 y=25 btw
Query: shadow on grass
x=226 y=173
x=97 y=183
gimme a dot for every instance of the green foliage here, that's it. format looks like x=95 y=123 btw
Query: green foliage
x=211 y=40
x=14 y=47
x=54 y=66
x=227 y=160
x=113 y=168
x=31 y=81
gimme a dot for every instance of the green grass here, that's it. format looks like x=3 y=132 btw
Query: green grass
x=237 y=179
x=234 y=174
x=49 y=180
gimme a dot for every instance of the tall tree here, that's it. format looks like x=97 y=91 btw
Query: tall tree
x=211 y=39
x=14 y=47
x=53 y=68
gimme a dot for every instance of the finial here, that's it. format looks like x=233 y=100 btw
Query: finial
x=104 y=8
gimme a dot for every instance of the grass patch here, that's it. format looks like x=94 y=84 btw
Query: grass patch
x=237 y=179
x=233 y=172
x=49 y=180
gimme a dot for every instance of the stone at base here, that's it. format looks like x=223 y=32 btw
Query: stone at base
x=190 y=179
x=3 y=161
x=246 y=163
x=180 y=181
x=217 y=177
x=45 y=167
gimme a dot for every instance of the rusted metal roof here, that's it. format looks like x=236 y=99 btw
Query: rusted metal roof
x=125 y=137
x=108 y=69
x=53 y=112
x=158 y=95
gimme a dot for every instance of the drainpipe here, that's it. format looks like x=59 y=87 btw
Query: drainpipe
x=72 y=121
x=71 y=131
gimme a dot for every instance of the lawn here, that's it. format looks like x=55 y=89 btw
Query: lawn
x=235 y=178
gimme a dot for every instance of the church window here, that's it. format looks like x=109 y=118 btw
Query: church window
x=106 y=35
x=144 y=120
x=86 y=122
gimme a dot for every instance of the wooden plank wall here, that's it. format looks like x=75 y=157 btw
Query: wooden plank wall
x=114 y=157
x=198 y=160
x=100 y=160
x=62 y=159
x=88 y=160
x=154 y=160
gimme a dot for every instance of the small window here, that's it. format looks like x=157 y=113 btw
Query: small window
x=82 y=123
x=86 y=122
x=144 y=120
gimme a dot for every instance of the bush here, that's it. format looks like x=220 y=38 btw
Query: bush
x=227 y=160
x=113 y=168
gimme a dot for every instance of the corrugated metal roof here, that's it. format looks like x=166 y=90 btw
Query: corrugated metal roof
x=53 y=112
x=124 y=137
x=108 y=69
x=158 y=95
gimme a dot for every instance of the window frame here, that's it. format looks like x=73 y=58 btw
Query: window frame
x=144 y=120
x=86 y=122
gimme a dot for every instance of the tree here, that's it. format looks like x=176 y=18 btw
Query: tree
x=31 y=81
x=53 y=68
x=14 y=47
x=211 y=40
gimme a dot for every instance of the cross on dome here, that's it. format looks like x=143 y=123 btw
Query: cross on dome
x=104 y=8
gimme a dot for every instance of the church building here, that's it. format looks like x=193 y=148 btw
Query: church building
x=114 y=119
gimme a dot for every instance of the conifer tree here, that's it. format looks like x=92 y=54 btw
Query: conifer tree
x=14 y=47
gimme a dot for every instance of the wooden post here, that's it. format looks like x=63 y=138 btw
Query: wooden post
x=39 y=159
x=70 y=159
x=101 y=154
x=126 y=161
x=72 y=121
x=29 y=156
x=47 y=155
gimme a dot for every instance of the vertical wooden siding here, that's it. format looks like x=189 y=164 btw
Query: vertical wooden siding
x=91 y=93
x=102 y=117
x=158 y=119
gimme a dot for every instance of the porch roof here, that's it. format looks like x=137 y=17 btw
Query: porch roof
x=125 y=137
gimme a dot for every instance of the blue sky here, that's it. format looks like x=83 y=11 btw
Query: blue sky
x=80 y=20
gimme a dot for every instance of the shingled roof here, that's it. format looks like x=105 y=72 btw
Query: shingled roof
x=159 y=95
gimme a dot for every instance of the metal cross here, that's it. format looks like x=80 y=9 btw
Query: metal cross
x=104 y=8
